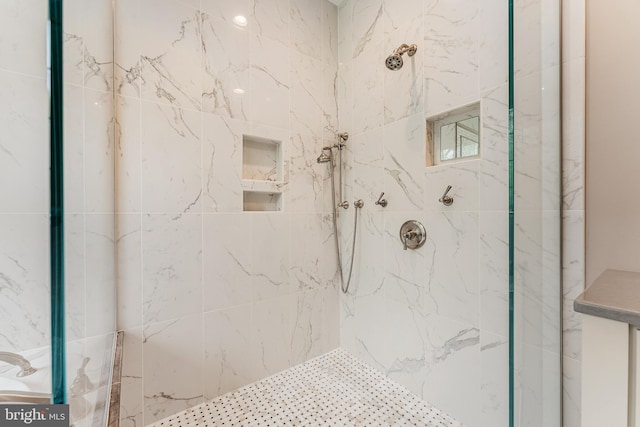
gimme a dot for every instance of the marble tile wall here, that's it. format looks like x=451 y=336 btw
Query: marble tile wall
x=437 y=319
x=89 y=189
x=573 y=206
x=433 y=319
x=212 y=298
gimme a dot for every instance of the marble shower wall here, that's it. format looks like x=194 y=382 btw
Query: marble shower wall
x=573 y=207
x=210 y=297
x=436 y=319
x=89 y=188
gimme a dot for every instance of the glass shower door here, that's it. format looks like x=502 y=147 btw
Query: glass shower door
x=535 y=217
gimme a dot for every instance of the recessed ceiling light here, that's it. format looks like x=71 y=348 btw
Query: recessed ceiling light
x=240 y=21
x=238 y=91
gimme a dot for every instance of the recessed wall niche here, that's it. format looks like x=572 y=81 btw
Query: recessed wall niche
x=262 y=173
x=454 y=136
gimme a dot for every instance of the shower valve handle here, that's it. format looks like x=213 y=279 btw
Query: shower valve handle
x=445 y=199
x=344 y=205
x=382 y=202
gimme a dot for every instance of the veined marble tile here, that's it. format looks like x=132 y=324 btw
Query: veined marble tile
x=74 y=275
x=74 y=149
x=308 y=338
x=100 y=265
x=171 y=53
x=306 y=115
x=573 y=134
x=226 y=11
x=571 y=392
x=494 y=385
x=331 y=317
x=529 y=300
x=345 y=94
x=22 y=23
x=452 y=352
x=329 y=33
x=269 y=85
x=226 y=260
x=406 y=350
x=308 y=260
x=272 y=333
x=529 y=385
x=572 y=282
x=25 y=112
x=172 y=272
x=494 y=179
x=493 y=48
x=225 y=68
x=404 y=163
x=367 y=28
x=97 y=19
x=528 y=143
x=306 y=184
x=368 y=275
x=132 y=392
x=99 y=151
x=271 y=19
x=73 y=45
x=365 y=154
x=228 y=365
x=167 y=391
x=345 y=41
x=451 y=54
x=329 y=100
x=362 y=320
x=222 y=164
x=452 y=286
x=367 y=95
x=270 y=254
x=403 y=89
x=171 y=156
x=552 y=300
x=127 y=154
x=127 y=48
x=494 y=272
x=24 y=262
x=464 y=178
x=306 y=27
x=129 y=284
x=406 y=272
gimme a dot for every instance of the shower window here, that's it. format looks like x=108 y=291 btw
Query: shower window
x=454 y=136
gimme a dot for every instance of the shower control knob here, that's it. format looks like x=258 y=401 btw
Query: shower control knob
x=344 y=205
x=412 y=235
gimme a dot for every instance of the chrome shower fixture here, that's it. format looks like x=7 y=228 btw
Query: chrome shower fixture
x=324 y=157
x=394 y=61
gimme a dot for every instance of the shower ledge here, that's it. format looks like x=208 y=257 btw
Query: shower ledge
x=334 y=389
x=614 y=295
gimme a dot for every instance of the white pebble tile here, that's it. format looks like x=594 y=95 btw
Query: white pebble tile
x=335 y=389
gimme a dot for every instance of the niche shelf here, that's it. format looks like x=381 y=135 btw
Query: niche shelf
x=262 y=174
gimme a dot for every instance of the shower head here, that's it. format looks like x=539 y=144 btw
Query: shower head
x=324 y=157
x=394 y=61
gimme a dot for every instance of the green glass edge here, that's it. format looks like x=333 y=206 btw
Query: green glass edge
x=511 y=222
x=58 y=356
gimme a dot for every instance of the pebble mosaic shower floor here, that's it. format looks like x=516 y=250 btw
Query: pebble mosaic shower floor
x=335 y=389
